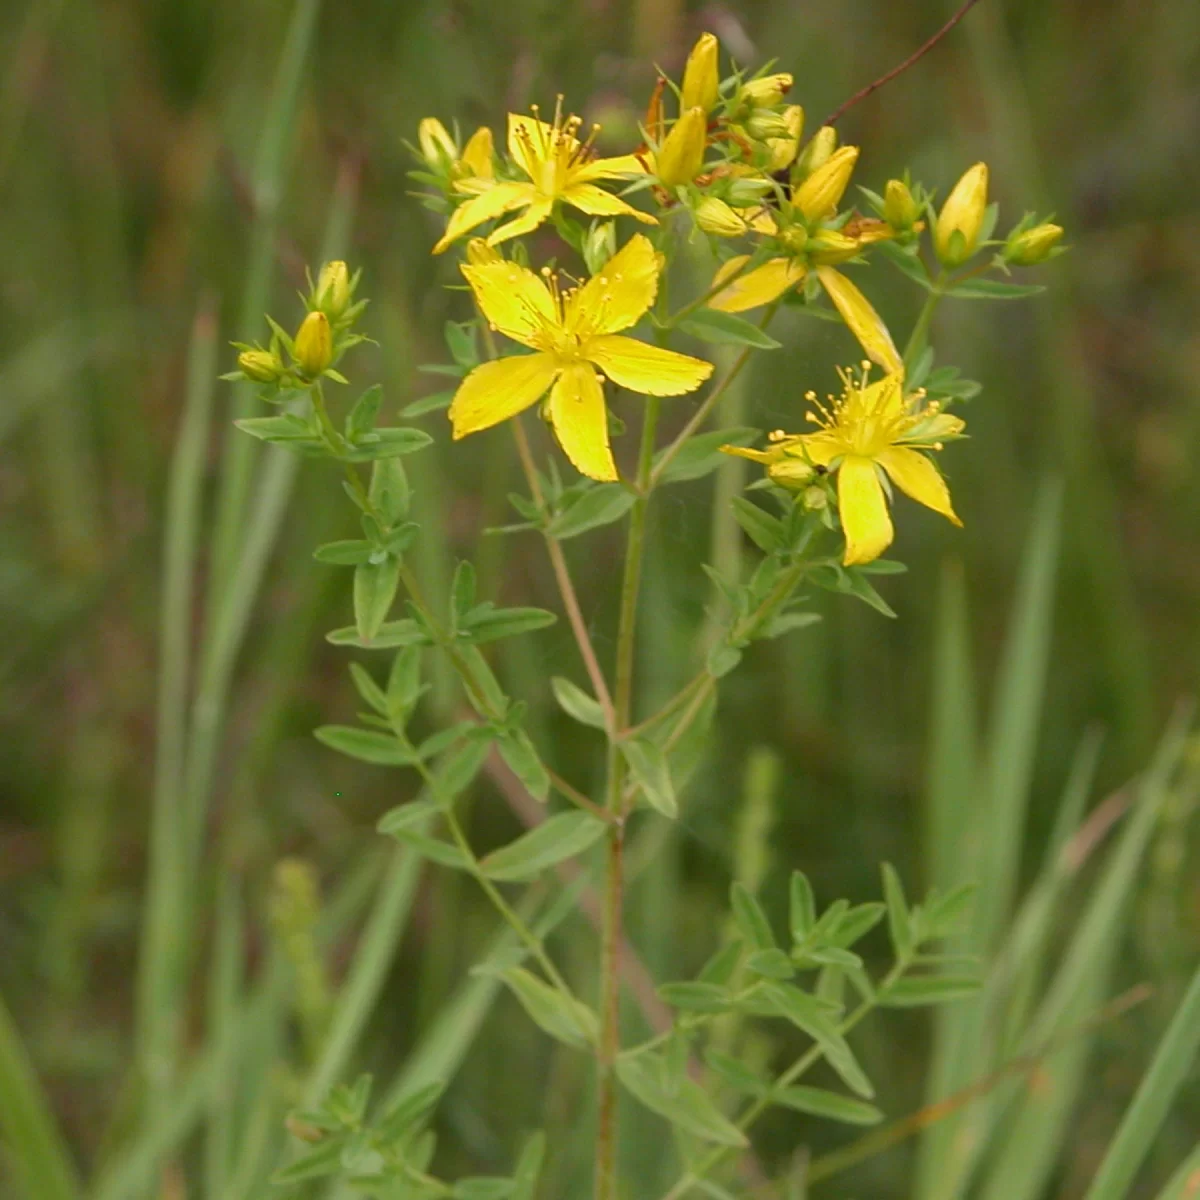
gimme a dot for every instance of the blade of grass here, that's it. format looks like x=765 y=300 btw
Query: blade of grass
x=1026 y=1154
x=267 y=185
x=1142 y=1121
x=32 y=1136
x=1185 y=1183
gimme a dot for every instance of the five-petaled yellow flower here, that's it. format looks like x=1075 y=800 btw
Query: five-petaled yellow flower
x=869 y=430
x=560 y=168
x=572 y=334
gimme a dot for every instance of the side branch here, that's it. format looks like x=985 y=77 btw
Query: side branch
x=908 y=62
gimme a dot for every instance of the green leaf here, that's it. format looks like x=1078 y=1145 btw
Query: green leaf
x=389 y=491
x=375 y=587
x=405 y=632
x=457 y=770
x=802 y=906
x=442 y=853
x=899 y=920
x=575 y=702
x=387 y=443
x=724 y=329
x=460 y=340
x=807 y=1013
x=498 y=623
x=563 y=1018
x=700 y=455
x=368 y=689
x=648 y=765
x=772 y=963
x=859 y=921
x=764 y=530
x=553 y=841
x=695 y=996
x=285 y=428
x=326 y=1159
x=994 y=289
x=462 y=590
x=519 y=752
x=688 y=1107
x=482 y=1187
x=410 y=1110
x=915 y=990
x=736 y=1073
x=404 y=683
x=722 y=659
x=600 y=505
x=348 y=553
x=751 y=921
x=721 y=966
x=407 y=816
x=361 y=417
x=819 y=1103
x=907 y=262
x=529 y=1167
x=380 y=748
x=427 y=404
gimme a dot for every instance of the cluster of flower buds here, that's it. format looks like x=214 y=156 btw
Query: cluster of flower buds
x=293 y=361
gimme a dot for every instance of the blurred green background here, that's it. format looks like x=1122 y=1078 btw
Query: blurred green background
x=138 y=205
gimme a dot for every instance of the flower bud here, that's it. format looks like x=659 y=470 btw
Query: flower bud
x=682 y=154
x=1033 y=246
x=479 y=252
x=956 y=233
x=260 y=365
x=783 y=148
x=700 y=76
x=477 y=155
x=438 y=148
x=818 y=195
x=899 y=208
x=599 y=245
x=333 y=290
x=792 y=473
x=818 y=151
x=764 y=123
x=715 y=216
x=815 y=499
x=832 y=246
x=766 y=91
x=314 y=344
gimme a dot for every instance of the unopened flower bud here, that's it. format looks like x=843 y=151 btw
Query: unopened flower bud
x=599 y=245
x=260 y=365
x=715 y=216
x=333 y=290
x=832 y=246
x=314 y=344
x=818 y=195
x=792 y=473
x=815 y=499
x=764 y=123
x=700 y=76
x=783 y=148
x=438 y=148
x=479 y=252
x=477 y=156
x=899 y=207
x=956 y=234
x=766 y=91
x=682 y=154
x=1033 y=246
x=820 y=148
x=748 y=190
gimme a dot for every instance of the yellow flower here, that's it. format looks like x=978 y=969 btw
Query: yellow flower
x=767 y=90
x=681 y=155
x=783 y=150
x=1033 y=246
x=572 y=334
x=713 y=215
x=333 y=290
x=314 y=344
x=959 y=223
x=700 y=76
x=899 y=207
x=477 y=155
x=818 y=196
x=868 y=430
x=864 y=322
x=438 y=148
x=559 y=168
x=757 y=287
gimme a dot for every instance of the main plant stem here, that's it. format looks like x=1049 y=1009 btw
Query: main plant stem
x=614 y=876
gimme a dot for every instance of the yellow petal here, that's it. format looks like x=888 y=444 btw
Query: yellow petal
x=760 y=286
x=818 y=195
x=580 y=421
x=477 y=153
x=620 y=294
x=821 y=449
x=513 y=299
x=489 y=204
x=863 y=507
x=640 y=367
x=497 y=390
x=597 y=202
x=766 y=457
x=916 y=476
x=527 y=222
x=608 y=168
x=865 y=323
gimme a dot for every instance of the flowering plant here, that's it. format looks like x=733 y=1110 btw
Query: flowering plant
x=723 y=177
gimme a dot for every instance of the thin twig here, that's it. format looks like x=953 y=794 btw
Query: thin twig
x=908 y=62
